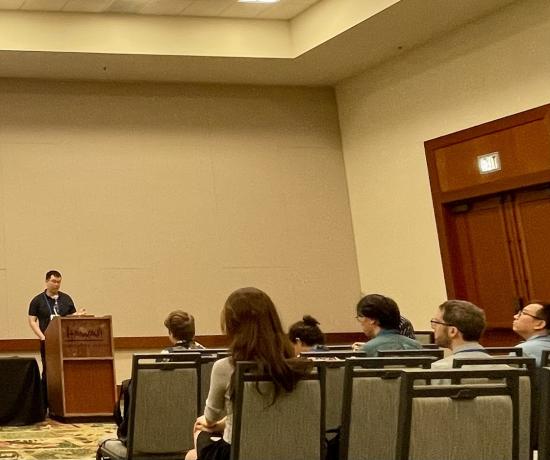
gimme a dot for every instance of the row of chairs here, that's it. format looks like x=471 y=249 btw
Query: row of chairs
x=367 y=400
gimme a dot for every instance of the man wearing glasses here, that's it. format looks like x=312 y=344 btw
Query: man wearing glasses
x=532 y=323
x=458 y=325
x=379 y=317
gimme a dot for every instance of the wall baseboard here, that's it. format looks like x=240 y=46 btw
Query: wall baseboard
x=159 y=342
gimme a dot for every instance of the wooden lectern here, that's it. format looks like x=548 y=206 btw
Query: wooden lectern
x=80 y=366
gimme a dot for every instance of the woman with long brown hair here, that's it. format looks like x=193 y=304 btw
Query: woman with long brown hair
x=250 y=321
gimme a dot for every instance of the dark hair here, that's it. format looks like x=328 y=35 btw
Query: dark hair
x=380 y=308
x=468 y=318
x=307 y=331
x=181 y=325
x=543 y=312
x=250 y=321
x=53 y=273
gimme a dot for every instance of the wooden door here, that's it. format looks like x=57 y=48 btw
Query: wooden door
x=500 y=251
x=494 y=226
x=482 y=256
x=532 y=215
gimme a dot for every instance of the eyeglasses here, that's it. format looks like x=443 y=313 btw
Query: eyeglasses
x=360 y=318
x=435 y=321
x=521 y=312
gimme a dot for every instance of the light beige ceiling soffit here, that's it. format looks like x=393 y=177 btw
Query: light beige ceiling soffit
x=181 y=35
x=321 y=46
x=283 y=9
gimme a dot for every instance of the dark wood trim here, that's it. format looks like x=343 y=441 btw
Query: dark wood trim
x=146 y=343
x=159 y=342
x=499 y=124
x=8 y=345
x=504 y=185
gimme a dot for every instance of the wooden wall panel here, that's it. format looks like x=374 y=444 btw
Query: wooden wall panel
x=523 y=150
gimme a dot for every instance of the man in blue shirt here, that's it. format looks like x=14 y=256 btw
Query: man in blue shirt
x=379 y=317
x=532 y=323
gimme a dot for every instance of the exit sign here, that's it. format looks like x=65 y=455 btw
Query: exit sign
x=488 y=163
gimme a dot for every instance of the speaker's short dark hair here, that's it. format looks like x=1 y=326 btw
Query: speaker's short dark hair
x=380 y=308
x=53 y=273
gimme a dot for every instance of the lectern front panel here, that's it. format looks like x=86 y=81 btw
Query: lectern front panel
x=89 y=387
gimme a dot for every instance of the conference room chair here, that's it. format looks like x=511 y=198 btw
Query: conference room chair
x=544 y=408
x=495 y=351
x=436 y=353
x=370 y=405
x=165 y=402
x=208 y=357
x=334 y=372
x=528 y=395
x=545 y=358
x=332 y=354
x=459 y=421
x=425 y=337
x=430 y=346
x=339 y=347
x=292 y=428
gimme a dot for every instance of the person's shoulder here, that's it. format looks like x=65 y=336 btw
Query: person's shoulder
x=410 y=342
x=372 y=345
x=38 y=297
x=223 y=364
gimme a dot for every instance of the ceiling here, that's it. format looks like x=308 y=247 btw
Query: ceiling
x=283 y=9
x=394 y=30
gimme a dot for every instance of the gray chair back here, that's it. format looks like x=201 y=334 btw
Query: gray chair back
x=371 y=395
x=332 y=354
x=291 y=428
x=494 y=351
x=164 y=404
x=528 y=417
x=369 y=413
x=436 y=353
x=459 y=421
x=334 y=380
x=544 y=413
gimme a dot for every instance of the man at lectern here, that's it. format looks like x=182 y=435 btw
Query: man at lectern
x=49 y=303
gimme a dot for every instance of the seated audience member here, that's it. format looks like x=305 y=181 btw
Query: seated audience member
x=379 y=317
x=252 y=325
x=532 y=323
x=181 y=330
x=306 y=335
x=458 y=325
x=406 y=328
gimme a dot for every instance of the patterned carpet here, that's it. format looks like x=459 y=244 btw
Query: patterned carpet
x=52 y=440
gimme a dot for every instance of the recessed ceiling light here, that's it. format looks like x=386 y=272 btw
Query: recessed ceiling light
x=258 y=1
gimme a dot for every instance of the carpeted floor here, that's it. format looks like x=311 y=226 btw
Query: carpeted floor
x=52 y=440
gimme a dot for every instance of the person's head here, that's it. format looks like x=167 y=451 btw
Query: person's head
x=456 y=322
x=181 y=326
x=533 y=319
x=305 y=334
x=250 y=321
x=376 y=312
x=53 y=282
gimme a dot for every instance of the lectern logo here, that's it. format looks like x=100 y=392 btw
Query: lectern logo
x=84 y=333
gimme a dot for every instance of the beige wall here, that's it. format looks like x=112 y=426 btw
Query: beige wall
x=487 y=70
x=155 y=197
